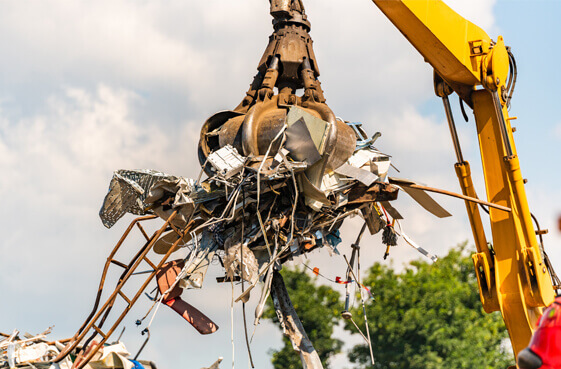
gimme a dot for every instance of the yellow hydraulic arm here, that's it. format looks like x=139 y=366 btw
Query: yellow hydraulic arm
x=512 y=274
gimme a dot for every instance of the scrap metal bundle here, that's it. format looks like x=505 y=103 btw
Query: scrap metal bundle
x=260 y=210
x=283 y=171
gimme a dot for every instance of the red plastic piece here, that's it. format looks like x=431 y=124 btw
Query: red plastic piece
x=166 y=277
x=191 y=314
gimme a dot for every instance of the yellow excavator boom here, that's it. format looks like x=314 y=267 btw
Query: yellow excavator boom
x=512 y=275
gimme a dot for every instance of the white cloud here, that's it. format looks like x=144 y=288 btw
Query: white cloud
x=79 y=135
x=413 y=132
x=58 y=163
x=56 y=168
x=119 y=36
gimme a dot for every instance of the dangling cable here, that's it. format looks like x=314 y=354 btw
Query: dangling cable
x=362 y=298
x=243 y=287
x=259 y=189
x=346 y=314
x=363 y=306
x=554 y=278
x=232 y=325
x=513 y=76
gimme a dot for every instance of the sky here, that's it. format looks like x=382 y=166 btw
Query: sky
x=90 y=87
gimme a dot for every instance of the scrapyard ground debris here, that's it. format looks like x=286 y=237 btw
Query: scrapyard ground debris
x=37 y=352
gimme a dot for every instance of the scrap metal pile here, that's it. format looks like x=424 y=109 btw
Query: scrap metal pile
x=16 y=350
x=262 y=207
x=36 y=351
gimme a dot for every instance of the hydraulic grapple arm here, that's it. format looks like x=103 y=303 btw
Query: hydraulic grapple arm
x=512 y=275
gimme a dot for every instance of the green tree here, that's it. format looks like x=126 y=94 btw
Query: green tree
x=430 y=317
x=319 y=309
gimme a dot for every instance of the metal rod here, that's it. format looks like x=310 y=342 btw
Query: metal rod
x=90 y=322
x=352 y=271
x=453 y=194
x=349 y=273
x=74 y=342
x=349 y=269
x=143 y=344
x=143 y=231
x=157 y=235
x=452 y=126
x=292 y=325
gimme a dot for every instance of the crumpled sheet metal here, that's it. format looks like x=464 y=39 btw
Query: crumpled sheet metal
x=111 y=361
x=29 y=354
x=180 y=190
x=195 y=271
x=115 y=356
x=127 y=191
x=316 y=128
x=216 y=364
x=284 y=178
x=143 y=192
x=300 y=144
x=373 y=219
x=364 y=176
x=171 y=291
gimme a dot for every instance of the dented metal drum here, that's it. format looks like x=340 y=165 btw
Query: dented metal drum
x=252 y=134
x=209 y=139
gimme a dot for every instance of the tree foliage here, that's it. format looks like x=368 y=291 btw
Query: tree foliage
x=319 y=309
x=430 y=317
